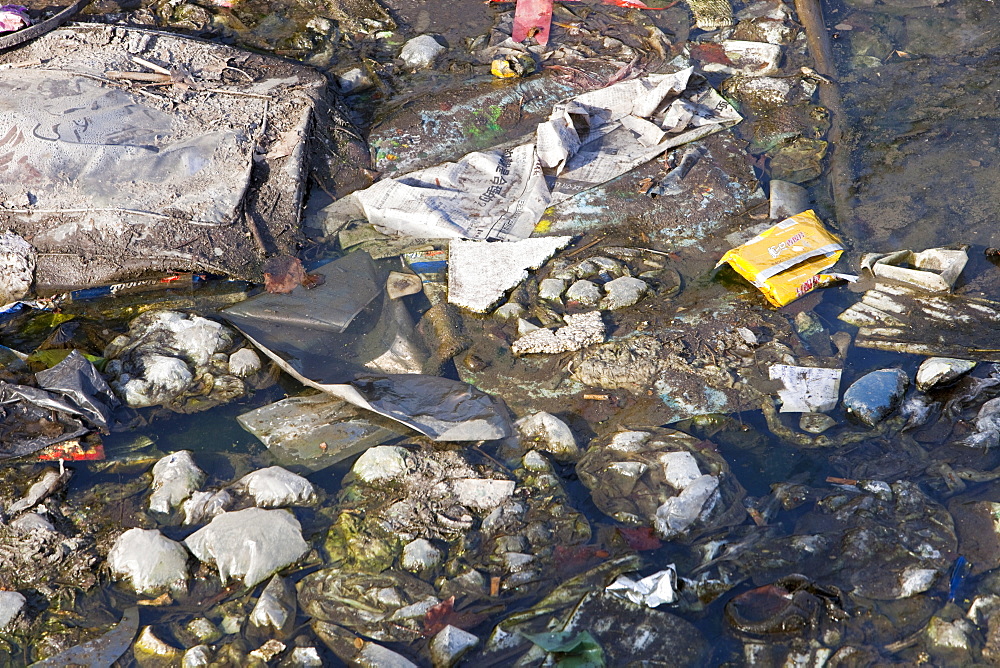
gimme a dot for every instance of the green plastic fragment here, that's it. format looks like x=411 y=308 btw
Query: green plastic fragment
x=570 y=650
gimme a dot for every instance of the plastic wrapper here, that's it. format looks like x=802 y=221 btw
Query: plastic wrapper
x=787 y=260
x=78 y=380
x=25 y=410
x=653 y=590
x=13 y=17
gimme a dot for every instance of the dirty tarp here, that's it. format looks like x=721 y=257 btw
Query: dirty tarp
x=587 y=140
x=311 y=334
x=107 y=181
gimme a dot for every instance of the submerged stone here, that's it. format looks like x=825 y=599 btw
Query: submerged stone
x=381 y=464
x=449 y=645
x=623 y=292
x=151 y=651
x=249 y=544
x=548 y=433
x=11 y=603
x=936 y=371
x=420 y=555
x=874 y=396
x=631 y=634
x=363 y=603
x=662 y=479
x=149 y=560
x=421 y=52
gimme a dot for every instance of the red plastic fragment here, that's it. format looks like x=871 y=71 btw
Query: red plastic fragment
x=532 y=18
x=630 y=4
x=72 y=451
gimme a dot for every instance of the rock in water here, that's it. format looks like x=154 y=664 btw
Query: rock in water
x=175 y=477
x=150 y=560
x=936 y=371
x=250 y=544
x=874 y=396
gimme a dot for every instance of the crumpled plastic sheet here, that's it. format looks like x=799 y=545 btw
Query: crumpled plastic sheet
x=653 y=590
x=80 y=383
x=101 y=651
x=23 y=407
x=70 y=390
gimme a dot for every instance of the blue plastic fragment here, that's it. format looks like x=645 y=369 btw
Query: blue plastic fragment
x=959 y=573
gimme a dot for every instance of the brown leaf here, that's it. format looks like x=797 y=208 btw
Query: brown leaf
x=577 y=558
x=710 y=53
x=640 y=538
x=444 y=614
x=283 y=273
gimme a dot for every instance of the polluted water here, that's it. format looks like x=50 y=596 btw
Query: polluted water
x=371 y=333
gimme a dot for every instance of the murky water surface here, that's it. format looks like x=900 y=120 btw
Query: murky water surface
x=826 y=566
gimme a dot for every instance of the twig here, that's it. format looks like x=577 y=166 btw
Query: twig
x=838 y=168
x=153 y=66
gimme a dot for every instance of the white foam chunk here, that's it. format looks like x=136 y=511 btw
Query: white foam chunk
x=480 y=272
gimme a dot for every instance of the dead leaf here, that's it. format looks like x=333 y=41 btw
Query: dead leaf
x=284 y=273
x=640 y=538
x=710 y=53
x=443 y=614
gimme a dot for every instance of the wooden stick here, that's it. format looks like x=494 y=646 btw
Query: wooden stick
x=153 y=77
x=839 y=175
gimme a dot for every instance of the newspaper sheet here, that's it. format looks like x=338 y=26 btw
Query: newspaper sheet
x=587 y=140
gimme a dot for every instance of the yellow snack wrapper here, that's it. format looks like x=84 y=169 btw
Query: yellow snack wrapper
x=785 y=261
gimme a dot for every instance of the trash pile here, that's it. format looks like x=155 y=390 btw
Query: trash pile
x=580 y=367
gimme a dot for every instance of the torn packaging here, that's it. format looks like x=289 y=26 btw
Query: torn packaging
x=112 y=184
x=586 y=141
x=786 y=261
